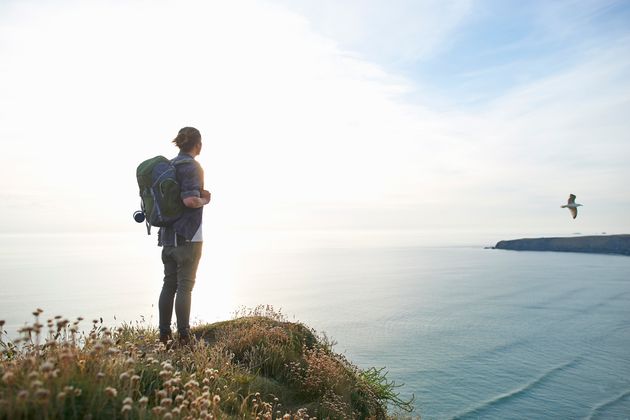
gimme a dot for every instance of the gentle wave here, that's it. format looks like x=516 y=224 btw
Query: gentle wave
x=504 y=348
x=620 y=296
x=597 y=410
x=499 y=399
x=553 y=301
x=605 y=302
x=502 y=297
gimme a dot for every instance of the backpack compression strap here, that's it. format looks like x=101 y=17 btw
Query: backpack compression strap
x=175 y=164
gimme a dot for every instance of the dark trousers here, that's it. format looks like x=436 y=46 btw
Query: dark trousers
x=180 y=271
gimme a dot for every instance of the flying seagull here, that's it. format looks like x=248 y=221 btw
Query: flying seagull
x=572 y=205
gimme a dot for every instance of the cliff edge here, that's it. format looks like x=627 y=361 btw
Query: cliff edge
x=600 y=244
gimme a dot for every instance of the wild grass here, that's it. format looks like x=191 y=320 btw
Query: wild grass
x=256 y=366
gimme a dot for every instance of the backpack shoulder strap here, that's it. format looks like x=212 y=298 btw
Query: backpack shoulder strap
x=181 y=161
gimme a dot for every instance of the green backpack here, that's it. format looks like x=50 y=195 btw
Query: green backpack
x=159 y=191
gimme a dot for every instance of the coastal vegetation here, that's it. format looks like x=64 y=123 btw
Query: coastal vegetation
x=257 y=365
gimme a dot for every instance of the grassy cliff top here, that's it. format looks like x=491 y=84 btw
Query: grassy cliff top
x=257 y=365
x=599 y=244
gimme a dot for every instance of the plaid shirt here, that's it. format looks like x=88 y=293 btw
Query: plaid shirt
x=190 y=178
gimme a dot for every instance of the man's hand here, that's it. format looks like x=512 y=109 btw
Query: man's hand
x=196 y=202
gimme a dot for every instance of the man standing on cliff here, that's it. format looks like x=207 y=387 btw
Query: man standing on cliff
x=182 y=241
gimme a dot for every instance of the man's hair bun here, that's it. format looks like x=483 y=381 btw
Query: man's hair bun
x=187 y=139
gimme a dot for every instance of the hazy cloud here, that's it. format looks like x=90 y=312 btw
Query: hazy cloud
x=301 y=128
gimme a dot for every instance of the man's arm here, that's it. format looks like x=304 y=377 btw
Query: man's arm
x=196 y=202
x=190 y=176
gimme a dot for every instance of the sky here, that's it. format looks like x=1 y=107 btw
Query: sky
x=320 y=115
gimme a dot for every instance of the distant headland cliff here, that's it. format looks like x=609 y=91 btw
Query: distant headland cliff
x=600 y=244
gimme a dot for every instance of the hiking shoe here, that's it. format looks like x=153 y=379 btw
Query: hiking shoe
x=166 y=339
x=184 y=340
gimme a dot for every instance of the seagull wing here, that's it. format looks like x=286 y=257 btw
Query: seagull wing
x=573 y=211
x=571 y=199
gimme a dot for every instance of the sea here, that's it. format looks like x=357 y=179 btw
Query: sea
x=467 y=331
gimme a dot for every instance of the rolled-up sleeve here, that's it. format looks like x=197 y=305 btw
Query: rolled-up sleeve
x=190 y=180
